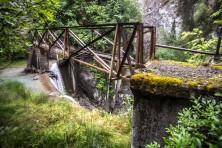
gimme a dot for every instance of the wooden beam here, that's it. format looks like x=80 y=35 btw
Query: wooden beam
x=185 y=49
x=127 y=50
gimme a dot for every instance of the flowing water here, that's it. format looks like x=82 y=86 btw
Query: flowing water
x=17 y=74
x=33 y=82
x=56 y=78
x=58 y=82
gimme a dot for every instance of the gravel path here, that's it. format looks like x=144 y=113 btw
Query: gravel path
x=169 y=68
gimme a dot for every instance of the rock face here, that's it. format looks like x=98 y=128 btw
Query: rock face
x=88 y=85
x=162 y=14
x=80 y=83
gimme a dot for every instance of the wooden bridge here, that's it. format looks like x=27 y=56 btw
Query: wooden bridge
x=116 y=49
x=110 y=47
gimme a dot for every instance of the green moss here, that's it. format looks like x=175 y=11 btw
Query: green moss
x=156 y=84
x=219 y=67
x=192 y=83
x=182 y=63
x=171 y=86
x=210 y=87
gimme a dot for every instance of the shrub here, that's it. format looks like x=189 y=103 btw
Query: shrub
x=198 y=126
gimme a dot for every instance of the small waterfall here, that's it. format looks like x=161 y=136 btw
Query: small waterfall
x=56 y=78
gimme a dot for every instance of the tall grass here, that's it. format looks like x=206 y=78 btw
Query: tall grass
x=30 y=119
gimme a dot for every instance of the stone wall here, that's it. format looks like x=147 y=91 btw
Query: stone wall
x=152 y=115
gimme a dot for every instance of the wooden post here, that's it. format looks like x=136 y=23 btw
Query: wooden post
x=124 y=51
x=216 y=57
x=127 y=50
x=111 y=99
x=119 y=48
x=137 y=44
x=65 y=42
x=141 y=43
x=153 y=43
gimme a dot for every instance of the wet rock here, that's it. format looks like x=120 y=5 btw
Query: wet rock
x=54 y=94
x=88 y=84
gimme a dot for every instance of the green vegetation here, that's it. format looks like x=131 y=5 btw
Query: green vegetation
x=217 y=15
x=196 y=41
x=16 y=18
x=34 y=120
x=199 y=14
x=198 y=126
x=85 y=12
x=192 y=40
x=200 y=19
x=172 y=40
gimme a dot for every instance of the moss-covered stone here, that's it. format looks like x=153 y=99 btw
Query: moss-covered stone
x=217 y=66
x=182 y=63
x=156 y=83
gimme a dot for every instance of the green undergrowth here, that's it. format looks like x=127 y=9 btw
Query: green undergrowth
x=34 y=120
x=15 y=63
x=198 y=126
x=19 y=63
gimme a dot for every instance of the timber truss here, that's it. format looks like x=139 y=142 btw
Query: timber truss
x=116 y=49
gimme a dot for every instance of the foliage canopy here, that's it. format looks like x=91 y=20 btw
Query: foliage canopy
x=16 y=17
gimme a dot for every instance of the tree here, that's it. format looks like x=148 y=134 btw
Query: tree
x=16 y=17
x=217 y=16
x=85 y=12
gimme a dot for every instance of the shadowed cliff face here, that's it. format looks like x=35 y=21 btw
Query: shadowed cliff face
x=163 y=89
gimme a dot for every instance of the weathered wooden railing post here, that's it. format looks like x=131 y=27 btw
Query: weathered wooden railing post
x=217 y=56
x=139 y=44
x=111 y=99
x=153 y=43
x=65 y=42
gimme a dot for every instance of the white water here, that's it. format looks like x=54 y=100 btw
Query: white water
x=59 y=83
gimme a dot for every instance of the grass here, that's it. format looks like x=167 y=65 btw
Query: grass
x=16 y=63
x=34 y=120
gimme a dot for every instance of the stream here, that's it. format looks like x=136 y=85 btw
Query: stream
x=17 y=74
x=38 y=82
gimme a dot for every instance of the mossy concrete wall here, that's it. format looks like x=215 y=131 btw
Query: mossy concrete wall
x=152 y=115
x=158 y=99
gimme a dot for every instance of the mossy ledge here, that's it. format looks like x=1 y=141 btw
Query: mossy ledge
x=154 y=84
